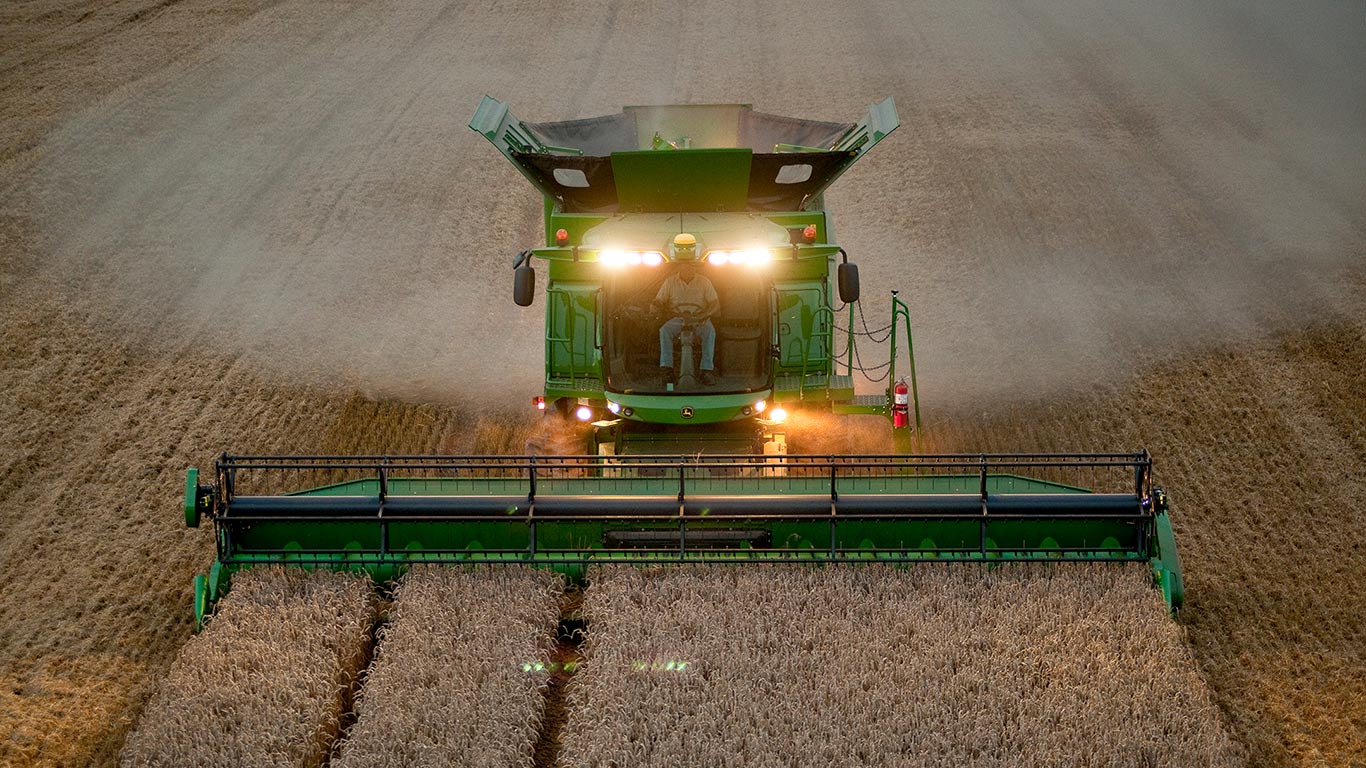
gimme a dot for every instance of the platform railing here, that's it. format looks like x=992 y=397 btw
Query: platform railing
x=1083 y=471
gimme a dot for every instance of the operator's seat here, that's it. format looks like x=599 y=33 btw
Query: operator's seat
x=739 y=338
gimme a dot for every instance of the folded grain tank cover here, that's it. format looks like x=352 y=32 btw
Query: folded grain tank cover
x=707 y=126
x=707 y=157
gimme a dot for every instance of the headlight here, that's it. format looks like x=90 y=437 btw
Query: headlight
x=778 y=415
x=613 y=407
x=584 y=413
x=760 y=406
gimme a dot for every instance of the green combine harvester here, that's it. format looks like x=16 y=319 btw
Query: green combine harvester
x=689 y=311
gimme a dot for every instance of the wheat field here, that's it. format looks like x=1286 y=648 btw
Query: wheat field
x=1024 y=665
x=262 y=227
x=460 y=670
x=268 y=681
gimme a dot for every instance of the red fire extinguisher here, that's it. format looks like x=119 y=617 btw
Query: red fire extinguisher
x=901 y=405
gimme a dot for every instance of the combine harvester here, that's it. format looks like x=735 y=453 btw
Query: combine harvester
x=689 y=309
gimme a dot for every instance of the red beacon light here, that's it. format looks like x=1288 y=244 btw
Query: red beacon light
x=562 y=237
x=539 y=402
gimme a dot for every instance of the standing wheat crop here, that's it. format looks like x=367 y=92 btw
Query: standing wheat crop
x=459 y=671
x=266 y=682
x=1033 y=665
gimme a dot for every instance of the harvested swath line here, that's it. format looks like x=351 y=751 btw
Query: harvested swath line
x=460 y=670
x=564 y=660
x=1034 y=665
x=267 y=680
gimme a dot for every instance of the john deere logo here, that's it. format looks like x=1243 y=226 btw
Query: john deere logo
x=687 y=411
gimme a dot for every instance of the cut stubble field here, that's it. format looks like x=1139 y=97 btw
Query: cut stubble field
x=262 y=227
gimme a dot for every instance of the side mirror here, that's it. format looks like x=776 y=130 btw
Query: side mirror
x=848 y=282
x=523 y=285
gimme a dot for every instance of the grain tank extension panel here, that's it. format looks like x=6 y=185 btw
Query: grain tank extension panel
x=664 y=159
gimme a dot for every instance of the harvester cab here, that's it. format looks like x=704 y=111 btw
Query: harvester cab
x=689 y=306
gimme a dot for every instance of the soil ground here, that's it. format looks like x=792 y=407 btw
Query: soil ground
x=263 y=227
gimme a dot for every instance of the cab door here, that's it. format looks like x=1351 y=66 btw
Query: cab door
x=571 y=338
x=805 y=328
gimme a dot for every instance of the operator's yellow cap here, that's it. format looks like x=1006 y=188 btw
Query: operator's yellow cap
x=685 y=247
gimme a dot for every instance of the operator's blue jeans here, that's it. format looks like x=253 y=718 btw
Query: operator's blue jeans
x=669 y=332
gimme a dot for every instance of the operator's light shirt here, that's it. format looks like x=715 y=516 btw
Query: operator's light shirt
x=676 y=294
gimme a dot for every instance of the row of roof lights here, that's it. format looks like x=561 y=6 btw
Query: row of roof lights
x=753 y=257
x=614 y=258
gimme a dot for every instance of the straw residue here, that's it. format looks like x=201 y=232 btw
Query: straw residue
x=871 y=666
x=460 y=670
x=266 y=682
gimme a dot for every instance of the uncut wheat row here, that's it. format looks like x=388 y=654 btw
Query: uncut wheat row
x=267 y=681
x=1033 y=665
x=460 y=670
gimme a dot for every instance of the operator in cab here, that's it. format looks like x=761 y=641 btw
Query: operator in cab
x=688 y=300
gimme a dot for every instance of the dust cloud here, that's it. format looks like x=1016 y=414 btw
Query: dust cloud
x=1113 y=185
x=1076 y=189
